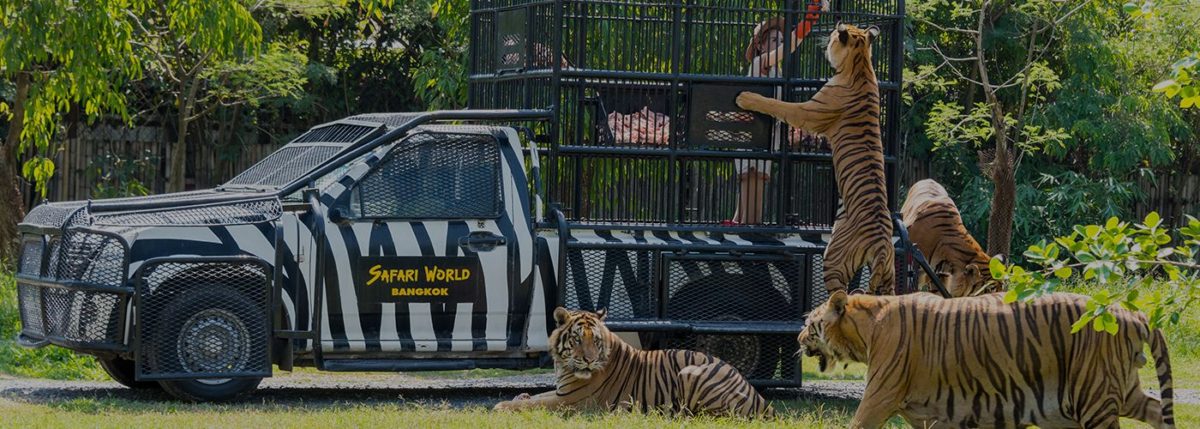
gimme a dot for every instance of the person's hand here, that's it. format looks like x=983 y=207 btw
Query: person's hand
x=814 y=9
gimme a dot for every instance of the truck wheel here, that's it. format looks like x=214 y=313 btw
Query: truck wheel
x=121 y=370
x=712 y=298
x=208 y=329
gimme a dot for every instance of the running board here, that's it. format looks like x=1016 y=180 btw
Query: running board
x=700 y=327
x=404 y=365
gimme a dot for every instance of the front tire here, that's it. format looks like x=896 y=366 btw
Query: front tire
x=209 y=329
x=122 y=371
x=210 y=390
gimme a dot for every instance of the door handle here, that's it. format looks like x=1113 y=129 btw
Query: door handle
x=481 y=241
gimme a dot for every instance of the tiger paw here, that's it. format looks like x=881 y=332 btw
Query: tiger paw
x=522 y=397
x=748 y=100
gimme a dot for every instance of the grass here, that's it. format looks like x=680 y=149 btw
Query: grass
x=108 y=412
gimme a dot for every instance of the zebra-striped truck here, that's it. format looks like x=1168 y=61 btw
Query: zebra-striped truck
x=395 y=242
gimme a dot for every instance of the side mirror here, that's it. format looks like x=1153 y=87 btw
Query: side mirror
x=335 y=215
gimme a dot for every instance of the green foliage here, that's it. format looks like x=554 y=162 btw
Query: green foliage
x=1139 y=267
x=440 y=77
x=75 y=54
x=1182 y=83
x=120 y=177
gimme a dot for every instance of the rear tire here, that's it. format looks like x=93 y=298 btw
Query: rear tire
x=122 y=371
x=713 y=298
x=208 y=329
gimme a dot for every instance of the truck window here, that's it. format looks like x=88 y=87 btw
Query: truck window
x=433 y=176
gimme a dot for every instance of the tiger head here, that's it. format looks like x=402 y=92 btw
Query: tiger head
x=579 y=345
x=819 y=337
x=850 y=45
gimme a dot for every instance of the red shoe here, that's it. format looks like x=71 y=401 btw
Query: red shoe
x=730 y=222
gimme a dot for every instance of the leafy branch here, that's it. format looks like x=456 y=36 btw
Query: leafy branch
x=1126 y=259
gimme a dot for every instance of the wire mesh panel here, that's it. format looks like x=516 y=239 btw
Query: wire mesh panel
x=621 y=281
x=88 y=257
x=89 y=318
x=264 y=210
x=434 y=176
x=30 y=301
x=203 y=319
x=336 y=133
x=732 y=290
x=52 y=214
x=32 y=250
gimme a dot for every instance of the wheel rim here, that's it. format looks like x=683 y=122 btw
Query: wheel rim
x=213 y=341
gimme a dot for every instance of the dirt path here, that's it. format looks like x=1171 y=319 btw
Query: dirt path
x=324 y=389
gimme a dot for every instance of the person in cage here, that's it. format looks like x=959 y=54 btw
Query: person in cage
x=765 y=52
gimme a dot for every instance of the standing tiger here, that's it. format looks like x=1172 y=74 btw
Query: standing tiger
x=978 y=362
x=597 y=370
x=936 y=228
x=846 y=110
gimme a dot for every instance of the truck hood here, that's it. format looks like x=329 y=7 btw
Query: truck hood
x=205 y=207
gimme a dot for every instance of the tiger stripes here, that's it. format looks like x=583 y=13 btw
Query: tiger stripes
x=978 y=362
x=846 y=109
x=936 y=228
x=597 y=370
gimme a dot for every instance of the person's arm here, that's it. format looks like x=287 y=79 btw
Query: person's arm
x=814 y=9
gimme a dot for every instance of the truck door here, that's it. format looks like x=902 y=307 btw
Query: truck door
x=424 y=253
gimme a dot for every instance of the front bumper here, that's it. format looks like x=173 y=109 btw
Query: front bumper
x=72 y=289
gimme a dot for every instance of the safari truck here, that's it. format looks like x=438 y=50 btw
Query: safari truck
x=596 y=168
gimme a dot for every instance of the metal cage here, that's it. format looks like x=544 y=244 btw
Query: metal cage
x=674 y=67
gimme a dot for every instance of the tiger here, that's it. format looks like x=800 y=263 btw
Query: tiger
x=978 y=362
x=597 y=370
x=936 y=228
x=846 y=110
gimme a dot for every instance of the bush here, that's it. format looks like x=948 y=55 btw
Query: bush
x=1139 y=267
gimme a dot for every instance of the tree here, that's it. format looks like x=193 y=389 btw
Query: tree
x=206 y=55
x=1000 y=52
x=62 y=55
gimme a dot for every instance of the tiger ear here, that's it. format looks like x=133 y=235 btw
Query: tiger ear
x=843 y=33
x=872 y=33
x=602 y=313
x=561 y=315
x=837 y=302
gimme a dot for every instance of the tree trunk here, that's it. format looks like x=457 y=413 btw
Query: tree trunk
x=1004 y=194
x=12 y=206
x=186 y=101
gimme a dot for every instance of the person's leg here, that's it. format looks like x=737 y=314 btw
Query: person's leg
x=750 y=197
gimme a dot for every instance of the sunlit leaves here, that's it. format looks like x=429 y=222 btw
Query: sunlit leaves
x=1124 y=259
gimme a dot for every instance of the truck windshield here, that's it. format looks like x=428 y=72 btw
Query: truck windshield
x=302 y=155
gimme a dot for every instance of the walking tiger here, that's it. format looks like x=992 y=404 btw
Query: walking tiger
x=978 y=362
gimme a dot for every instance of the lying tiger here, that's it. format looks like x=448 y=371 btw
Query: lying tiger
x=936 y=228
x=596 y=370
x=978 y=362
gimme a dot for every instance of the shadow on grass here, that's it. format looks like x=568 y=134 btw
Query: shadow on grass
x=120 y=400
